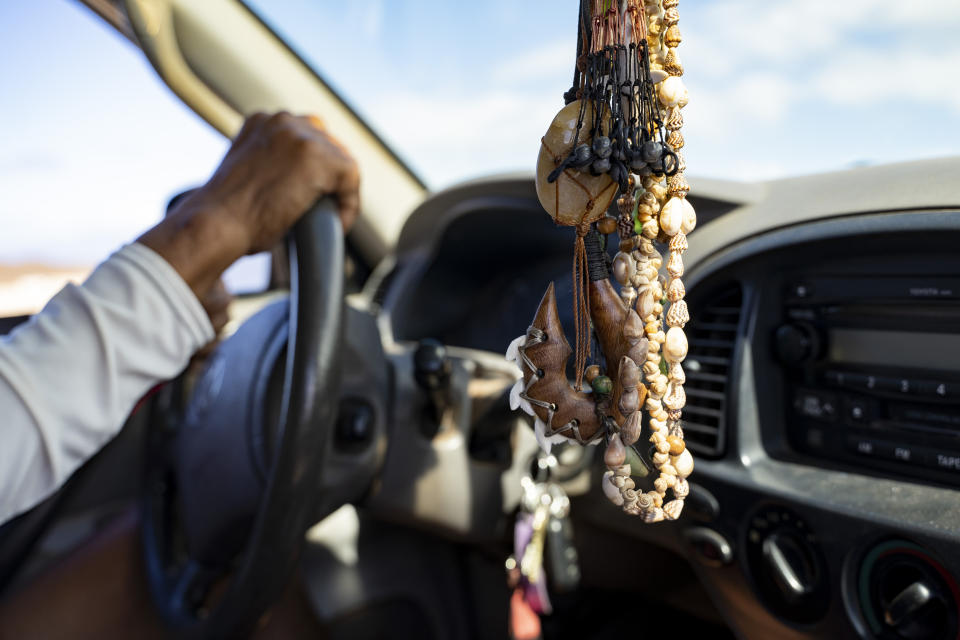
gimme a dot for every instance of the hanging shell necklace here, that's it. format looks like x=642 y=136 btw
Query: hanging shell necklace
x=620 y=131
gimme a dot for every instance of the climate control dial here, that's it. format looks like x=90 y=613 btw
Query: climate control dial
x=905 y=594
x=787 y=565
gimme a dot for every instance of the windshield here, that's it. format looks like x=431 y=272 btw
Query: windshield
x=465 y=89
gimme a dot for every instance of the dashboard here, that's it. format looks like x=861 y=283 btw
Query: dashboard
x=837 y=467
x=823 y=386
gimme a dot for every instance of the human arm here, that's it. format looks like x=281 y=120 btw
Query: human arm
x=70 y=376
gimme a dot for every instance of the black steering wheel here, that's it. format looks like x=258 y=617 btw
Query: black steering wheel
x=231 y=483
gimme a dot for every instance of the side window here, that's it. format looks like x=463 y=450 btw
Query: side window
x=92 y=147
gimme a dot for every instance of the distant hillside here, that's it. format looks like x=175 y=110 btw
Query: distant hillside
x=25 y=288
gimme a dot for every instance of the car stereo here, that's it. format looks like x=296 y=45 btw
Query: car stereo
x=872 y=372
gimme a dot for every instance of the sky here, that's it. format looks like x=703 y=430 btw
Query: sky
x=92 y=144
x=777 y=87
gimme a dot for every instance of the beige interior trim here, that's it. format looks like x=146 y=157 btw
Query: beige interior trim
x=110 y=11
x=223 y=62
x=154 y=26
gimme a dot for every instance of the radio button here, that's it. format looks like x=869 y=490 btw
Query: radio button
x=822 y=406
x=856 y=411
x=897 y=385
x=860 y=381
x=865 y=446
x=904 y=453
x=800 y=290
x=943 y=461
x=815 y=438
x=837 y=378
x=937 y=389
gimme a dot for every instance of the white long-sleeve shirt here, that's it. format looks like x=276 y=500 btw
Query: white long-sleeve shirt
x=71 y=375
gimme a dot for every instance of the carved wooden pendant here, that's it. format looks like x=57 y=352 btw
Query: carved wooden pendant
x=563 y=409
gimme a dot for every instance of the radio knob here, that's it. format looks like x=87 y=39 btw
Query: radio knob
x=796 y=343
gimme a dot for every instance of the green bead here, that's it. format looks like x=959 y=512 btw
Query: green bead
x=663 y=366
x=639 y=468
x=637 y=227
x=602 y=385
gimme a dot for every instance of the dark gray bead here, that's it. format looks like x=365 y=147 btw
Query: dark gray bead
x=652 y=151
x=602 y=147
x=601 y=166
x=582 y=156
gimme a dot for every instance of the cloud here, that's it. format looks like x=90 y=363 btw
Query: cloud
x=760 y=73
x=551 y=59
x=372 y=19
x=766 y=78
x=862 y=77
x=490 y=126
x=758 y=31
x=460 y=136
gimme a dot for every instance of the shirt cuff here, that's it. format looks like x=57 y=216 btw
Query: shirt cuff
x=179 y=294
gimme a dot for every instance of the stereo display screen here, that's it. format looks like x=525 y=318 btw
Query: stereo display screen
x=895 y=349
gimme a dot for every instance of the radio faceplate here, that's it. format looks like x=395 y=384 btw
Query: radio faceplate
x=872 y=373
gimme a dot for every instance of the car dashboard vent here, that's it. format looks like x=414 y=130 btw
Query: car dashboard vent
x=712 y=332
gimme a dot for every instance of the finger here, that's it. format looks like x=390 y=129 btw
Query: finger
x=281 y=120
x=316 y=122
x=219 y=296
x=348 y=197
x=216 y=303
x=219 y=320
x=252 y=123
x=347 y=188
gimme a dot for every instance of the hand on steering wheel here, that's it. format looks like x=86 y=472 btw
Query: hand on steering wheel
x=279 y=492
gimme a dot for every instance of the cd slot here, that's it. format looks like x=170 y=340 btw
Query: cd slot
x=844 y=289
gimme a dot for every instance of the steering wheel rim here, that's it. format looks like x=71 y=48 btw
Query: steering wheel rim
x=308 y=407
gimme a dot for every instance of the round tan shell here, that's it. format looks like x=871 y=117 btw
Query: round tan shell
x=576 y=196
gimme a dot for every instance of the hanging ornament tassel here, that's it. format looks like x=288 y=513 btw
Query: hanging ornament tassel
x=619 y=131
x=581 y=305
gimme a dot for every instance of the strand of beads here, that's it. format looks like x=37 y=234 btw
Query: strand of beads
x=677 y=218
x=635 y=268
x=663 y=215
x=674 y=97
x=651 y=311
x=631 y=269
x=651 y=9
x=617 y=483
x=624 y=263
